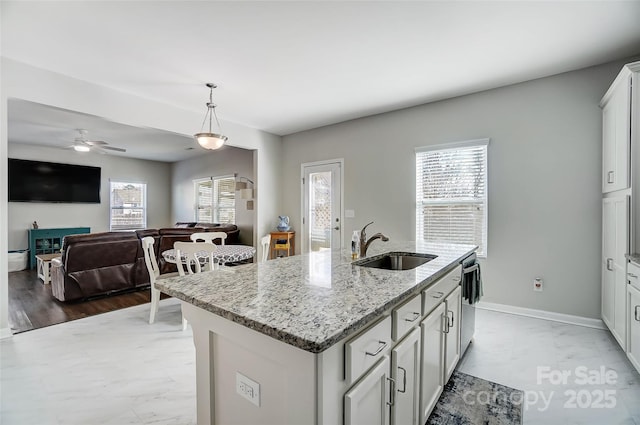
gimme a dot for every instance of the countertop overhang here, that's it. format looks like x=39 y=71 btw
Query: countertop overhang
x=314 y=300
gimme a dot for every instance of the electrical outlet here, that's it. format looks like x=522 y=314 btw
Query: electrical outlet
x=248 y=388
x=537 y=284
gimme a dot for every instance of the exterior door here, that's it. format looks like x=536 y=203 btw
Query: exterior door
x=322 y=206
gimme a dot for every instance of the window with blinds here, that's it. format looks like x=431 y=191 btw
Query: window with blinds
x=451 y=194
x=128 y=206
x=216 y=200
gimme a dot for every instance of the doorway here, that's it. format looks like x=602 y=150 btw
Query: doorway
x=322 y=205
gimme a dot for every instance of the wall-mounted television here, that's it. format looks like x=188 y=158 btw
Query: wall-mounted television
x=38 y=181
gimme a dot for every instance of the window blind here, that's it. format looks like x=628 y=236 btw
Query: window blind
x=216 y=200
x=128 y=206
x=451 y=195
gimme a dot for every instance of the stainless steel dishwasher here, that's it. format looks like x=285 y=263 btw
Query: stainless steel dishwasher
x=471 y=282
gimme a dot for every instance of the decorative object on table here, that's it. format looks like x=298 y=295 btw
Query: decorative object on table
x=355 y=245
x=35 y=224
x=210 y=140
x=283 y=225
x=453 y=408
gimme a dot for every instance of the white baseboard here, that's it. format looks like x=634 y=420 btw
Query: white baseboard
x=5 y=333
x=542 y=314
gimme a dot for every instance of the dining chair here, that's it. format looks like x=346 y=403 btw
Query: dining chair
x=266 y=245
x=189 y=258
x=209 y=237
x=154 y=275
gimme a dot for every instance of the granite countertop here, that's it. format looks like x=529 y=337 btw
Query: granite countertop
x=634 y=258
x=312 y=301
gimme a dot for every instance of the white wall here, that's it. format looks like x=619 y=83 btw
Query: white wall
x=21 y=81
x=226 y=161
x=544 y=165
x=96 y=216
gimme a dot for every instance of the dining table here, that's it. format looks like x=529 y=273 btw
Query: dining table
x=222 y=255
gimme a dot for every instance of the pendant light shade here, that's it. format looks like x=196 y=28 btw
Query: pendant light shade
x=211 y=140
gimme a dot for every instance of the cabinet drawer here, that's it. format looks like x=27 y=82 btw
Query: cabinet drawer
x=366 y=349
x=633 y=274
x=436 y=293
x=405 y=317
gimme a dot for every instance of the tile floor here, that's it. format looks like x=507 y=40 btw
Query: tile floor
x=117 y=369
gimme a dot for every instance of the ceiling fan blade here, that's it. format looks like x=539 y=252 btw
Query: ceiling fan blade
x=111 y=148
x=96 y=142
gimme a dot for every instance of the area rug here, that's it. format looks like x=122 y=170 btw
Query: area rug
x=467 y=400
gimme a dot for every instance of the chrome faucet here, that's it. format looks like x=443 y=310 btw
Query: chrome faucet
x=364 y=243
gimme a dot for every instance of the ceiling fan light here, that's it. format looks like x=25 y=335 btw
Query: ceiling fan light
x=210 y=140
x=81 y=148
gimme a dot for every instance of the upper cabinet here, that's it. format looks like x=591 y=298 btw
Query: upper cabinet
x=619 y=108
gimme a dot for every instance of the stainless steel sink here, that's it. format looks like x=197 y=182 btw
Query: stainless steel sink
x=395 y=260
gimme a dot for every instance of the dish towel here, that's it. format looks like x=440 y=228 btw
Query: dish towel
x=471 y=280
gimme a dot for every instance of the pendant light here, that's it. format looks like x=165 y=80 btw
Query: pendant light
x=210 y=140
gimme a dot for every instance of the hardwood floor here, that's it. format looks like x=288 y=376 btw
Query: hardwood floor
x=32 y=306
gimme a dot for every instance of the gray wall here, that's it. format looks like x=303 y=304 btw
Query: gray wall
x=544 y=165
x=228 y=160
x=155 y=174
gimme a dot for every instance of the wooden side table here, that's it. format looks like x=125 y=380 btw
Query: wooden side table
x=282 y=241
x=44 y=266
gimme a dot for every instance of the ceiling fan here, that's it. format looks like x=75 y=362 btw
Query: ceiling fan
x=83 y=144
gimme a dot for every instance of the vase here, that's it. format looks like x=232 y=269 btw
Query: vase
x=283 y=225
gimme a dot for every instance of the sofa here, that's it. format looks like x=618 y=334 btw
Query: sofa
x=98 y=264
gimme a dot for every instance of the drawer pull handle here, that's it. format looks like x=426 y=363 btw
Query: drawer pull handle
x=380 y=348
x=393 y=392
x=445 y=316
x=416 y=316
x=450 y=324
x=610 y=178
x=610 y=264
x=437 y=294
x=636 y=313
x=404 y=379
x=635 y=276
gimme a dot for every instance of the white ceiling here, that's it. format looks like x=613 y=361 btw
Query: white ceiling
x=285 y=66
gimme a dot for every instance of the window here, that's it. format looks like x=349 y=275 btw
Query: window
x=216 y=200
x=451 y=194
x=128 y=206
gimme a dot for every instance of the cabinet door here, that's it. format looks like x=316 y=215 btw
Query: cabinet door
x=616 y=132
x=452 y=332
x=615 y=238
x=366 y=402
x=634 y=327
x=405 y=369
x=432 y=361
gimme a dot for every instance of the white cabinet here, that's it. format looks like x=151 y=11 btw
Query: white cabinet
x=367 y=402
x=452 y=332
x=432 y=361
x=405 y=369
x=616 y=133
x=615 y=244
x=633 y=309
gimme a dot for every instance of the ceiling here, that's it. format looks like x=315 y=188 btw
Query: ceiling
x=285 y=67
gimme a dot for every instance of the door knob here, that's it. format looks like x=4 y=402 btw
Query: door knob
x=336 y=228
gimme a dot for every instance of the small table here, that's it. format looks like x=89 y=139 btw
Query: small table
x=222 y=255
x=287 y=243
x=44 y=266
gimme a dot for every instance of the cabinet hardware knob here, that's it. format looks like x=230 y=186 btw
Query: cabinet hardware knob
x=393 y=392
x=404 y=379
x=416 y=316
x=380 y=348
x=610 y=264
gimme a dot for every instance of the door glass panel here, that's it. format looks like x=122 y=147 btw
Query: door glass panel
x=320 y=211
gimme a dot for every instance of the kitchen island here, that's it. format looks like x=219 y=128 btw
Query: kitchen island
x=271 y=337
